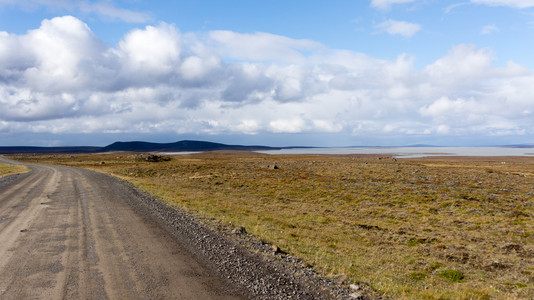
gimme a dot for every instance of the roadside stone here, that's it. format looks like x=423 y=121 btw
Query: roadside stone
x=354 y=287
x=153 y=158
x=341 y=278
x=239 y=230
x=356 y=296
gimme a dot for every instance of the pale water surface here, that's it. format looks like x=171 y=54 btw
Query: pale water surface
x=412 y=152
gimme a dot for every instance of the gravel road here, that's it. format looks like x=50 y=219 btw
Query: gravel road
x=68 y=233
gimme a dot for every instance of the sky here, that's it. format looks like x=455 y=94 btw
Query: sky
x=270 y=72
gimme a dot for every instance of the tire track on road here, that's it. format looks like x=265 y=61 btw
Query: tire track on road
x=20 y=206
x=68 y=234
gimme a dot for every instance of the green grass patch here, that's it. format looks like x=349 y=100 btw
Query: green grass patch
x=452 y=275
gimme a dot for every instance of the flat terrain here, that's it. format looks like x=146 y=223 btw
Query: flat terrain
x=432 y=228
x=69 y=233
x=8 y=169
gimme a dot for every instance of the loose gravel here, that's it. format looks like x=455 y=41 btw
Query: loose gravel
x=245 y=262
x=250 y=266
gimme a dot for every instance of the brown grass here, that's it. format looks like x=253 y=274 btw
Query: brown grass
x=433 y=228
x=6 y=170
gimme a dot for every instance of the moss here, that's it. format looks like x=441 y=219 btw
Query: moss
x=452 y=275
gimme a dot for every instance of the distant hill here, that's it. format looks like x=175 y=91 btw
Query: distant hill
x=136 y=146
x=46 y=150
x=177 y=147
x=520 y=146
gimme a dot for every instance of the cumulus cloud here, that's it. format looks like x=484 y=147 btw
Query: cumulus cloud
x=445 y=107
x=64 y=52
x=61 y=78
x=153 y=50
x=463 y=64
x=509 y=3
x=402 y=28
x=386 y=4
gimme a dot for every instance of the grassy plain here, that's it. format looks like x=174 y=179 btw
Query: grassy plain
x=432 y=228
x=6 y=169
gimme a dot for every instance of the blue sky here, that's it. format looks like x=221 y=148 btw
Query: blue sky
x=380 y=72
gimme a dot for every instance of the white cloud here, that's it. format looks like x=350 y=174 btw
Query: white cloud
x=262 y=46
x=103 y=9
x=464 y=64
x=510 y=3
x=62 y=56
x=402 y=28
x=155 y=50
x=489 y=29
x=443 y=129
x=447 y=107
x=327 y=126
x=248 y=126
x=196 y=68
x=295 y=125
x=61 y=78
x=386 y=4
x=451 y=7
x=107 y=10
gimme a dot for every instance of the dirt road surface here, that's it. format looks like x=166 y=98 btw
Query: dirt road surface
x=67 y=233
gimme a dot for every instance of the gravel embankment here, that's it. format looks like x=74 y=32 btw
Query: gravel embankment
x=267 y=274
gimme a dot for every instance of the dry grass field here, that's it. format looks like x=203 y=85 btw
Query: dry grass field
x=429 y=228
x=6 y=169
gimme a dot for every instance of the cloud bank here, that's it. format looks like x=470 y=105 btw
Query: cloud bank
x=61 y=78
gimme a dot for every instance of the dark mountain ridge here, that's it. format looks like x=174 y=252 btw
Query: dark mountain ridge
x=180 y=146
x=134 y=146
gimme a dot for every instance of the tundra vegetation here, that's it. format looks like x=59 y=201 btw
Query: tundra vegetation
x=6 y=169
x=427 y=228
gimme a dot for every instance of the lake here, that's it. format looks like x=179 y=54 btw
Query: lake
x=412 y=152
